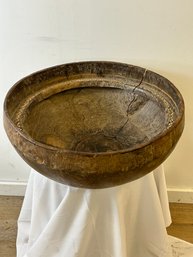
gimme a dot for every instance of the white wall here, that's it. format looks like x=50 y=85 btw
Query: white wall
x=154 y=34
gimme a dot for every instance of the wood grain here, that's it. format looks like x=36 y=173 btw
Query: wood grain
x=7 y=248
x=9 y=211
x=182 y=221
x=182 y=231
x=181 y=213
x=94 y=124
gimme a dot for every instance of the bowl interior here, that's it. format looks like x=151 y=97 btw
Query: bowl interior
x=100 y=118
x=94 y=107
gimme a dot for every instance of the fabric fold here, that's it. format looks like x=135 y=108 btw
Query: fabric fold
x=125 y=221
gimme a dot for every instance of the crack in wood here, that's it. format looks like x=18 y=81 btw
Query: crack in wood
x=132 y=101
x=115 y=137
x=133 y=91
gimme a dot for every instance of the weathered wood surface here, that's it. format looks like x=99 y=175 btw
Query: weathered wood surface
x=97 y=120
x=94 y=124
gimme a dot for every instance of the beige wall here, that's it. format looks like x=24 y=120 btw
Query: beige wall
x=154 y=34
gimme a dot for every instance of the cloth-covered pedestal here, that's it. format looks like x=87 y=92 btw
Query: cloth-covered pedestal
x=130 y=220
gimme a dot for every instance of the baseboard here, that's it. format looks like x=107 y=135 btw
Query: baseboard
x=12 y=188
x=175 y=195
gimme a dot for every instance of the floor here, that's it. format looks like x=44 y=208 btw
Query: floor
x=182 y=226
x=182 y=221
x=9 y=211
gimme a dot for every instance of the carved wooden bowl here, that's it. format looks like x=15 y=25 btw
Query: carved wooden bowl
x=94 y=124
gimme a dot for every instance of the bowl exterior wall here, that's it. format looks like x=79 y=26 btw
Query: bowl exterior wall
x=102 y=170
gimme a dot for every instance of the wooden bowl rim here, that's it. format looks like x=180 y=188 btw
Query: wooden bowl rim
x=177 y=121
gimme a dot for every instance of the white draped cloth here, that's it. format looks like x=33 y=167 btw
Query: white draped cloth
x=130 y=220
